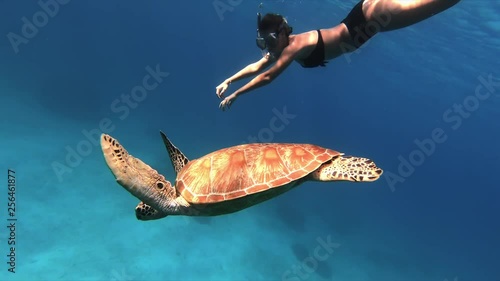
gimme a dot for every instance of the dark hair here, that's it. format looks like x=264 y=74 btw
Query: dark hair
x=271 y=22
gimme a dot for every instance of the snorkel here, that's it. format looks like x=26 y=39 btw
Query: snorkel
x=261 y=43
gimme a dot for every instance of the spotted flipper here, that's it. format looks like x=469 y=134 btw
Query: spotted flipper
x=144 y=212
x=179 y=160
x=348 y=168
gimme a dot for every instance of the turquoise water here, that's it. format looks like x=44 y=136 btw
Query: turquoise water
x=407 y=100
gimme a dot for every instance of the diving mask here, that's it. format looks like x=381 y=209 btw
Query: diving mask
x=269 y=39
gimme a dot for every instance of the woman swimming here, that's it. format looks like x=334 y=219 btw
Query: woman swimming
x=314 y=48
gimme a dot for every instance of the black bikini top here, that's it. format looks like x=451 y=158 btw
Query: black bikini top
x=317 y=57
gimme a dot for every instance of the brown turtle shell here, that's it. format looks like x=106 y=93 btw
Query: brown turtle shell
x=241 y=170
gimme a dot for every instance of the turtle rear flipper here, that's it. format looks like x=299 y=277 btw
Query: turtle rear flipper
x=144 y=212
x=348 y=168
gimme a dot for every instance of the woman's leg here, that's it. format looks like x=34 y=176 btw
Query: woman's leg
x=395 y=14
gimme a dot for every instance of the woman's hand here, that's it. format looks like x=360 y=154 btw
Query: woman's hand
x=219 y=90
x=227 y=102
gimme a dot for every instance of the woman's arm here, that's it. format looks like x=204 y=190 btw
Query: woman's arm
x=265 y=77
x=251 y=69
x=247 y=71
x=262 y=79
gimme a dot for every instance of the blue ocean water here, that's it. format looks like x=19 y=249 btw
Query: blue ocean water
x=422 y=102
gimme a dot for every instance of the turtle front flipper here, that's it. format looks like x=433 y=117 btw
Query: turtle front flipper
x=138 y=178
x=144 y=212
x=178 y=159
x=348 y=168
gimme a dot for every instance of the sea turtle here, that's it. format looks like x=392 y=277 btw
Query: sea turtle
x=230 y=179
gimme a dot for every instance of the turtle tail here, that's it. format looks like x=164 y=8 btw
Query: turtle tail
x=348 y=168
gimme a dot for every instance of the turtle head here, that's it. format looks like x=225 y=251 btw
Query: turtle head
x=138 y=178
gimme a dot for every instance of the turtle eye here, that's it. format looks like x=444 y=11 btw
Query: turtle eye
x=159 y=185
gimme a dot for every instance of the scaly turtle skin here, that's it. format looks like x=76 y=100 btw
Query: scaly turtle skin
x=230 y=179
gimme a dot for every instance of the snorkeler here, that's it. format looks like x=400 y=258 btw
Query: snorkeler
x=314 y=48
